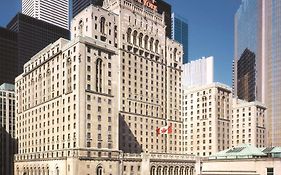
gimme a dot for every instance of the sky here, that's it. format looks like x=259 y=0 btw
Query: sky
x=211 y=29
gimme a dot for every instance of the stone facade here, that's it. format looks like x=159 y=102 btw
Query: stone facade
x=207 y=119
x=92 y=105
x=248 y=123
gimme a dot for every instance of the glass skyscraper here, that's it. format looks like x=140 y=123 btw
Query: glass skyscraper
x=180 y=33
x=258 y=29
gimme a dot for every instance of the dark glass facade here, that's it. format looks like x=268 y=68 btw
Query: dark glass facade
x=79 y=5
x=33 y=35
x=180 y=33
x=246 y=74
x=164 y=7
x=8 y=56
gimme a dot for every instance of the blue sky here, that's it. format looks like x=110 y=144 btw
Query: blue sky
x=211 y=29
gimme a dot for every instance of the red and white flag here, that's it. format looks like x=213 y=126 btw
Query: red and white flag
x=164 y=130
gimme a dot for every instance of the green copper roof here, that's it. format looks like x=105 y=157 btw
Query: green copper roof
x=241 y=151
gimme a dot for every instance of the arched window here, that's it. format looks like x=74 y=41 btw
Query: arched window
x=146 y=42
x=99 y=75
x=57 y=170
x=186 y=170
x=140 y=39
x=80 y=27
x=171 y=170
x=102 y=25
x=156 y=46
x=152 y=170
x=158 y=172
x=176 y=171
x=182 y=171
x=99 y=170
x=129 y=33
x=151 y=44
x=175 y=54
x=135 y=37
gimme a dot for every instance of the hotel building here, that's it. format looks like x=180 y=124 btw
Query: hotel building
x=92 y=105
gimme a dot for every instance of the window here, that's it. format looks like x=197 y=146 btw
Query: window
x=270 y=171
x=102 y=25
x=99 y=75
x=129 y=35
x=99 y=170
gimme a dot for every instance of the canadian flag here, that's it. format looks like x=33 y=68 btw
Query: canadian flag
x=164 y=130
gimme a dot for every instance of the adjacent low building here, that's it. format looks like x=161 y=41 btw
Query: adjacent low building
x=243 y=159
x=248 y=123
x=207 y=119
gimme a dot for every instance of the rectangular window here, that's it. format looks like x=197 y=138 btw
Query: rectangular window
x=270 y=171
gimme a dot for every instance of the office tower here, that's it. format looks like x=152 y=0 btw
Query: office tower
x=246 y=76
x=7 y=128
x=248 y=49
x=207 y=119
x=166 y=9
x=180 y=33
x=162 y=8
x=257 y=29
x=248 y=123
x=54 y=12
x=8 y=56
x=95 y=103
x=80 y=5
x=199 y=72
x=32 y=36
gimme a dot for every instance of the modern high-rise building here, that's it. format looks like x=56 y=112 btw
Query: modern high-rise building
x=198 y=72
x=8 y=55
x=54 y=12
x=248 y=123
x=206 y=119
x=32 y=35
x=257 y=30
x=246 y=76
x=100 y=103
x=80 y=5
x=180 y=33
x=8 y=145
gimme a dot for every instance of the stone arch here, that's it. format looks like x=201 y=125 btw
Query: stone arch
x=129 y=34
x=191 y=171
x=175 y=53
x=182 y=170
x=156 y=45
x=99 y=170
x=159 y=170
x=187 y=170
x=171 y=169
x=135 y=34
x=152 y=170
x=176 y=170
x=165 y=170
x=102 y=25
x=151 y=44
x=140 y=39
x=146 y=42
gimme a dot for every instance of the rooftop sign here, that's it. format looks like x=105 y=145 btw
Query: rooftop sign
x=149 y=3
